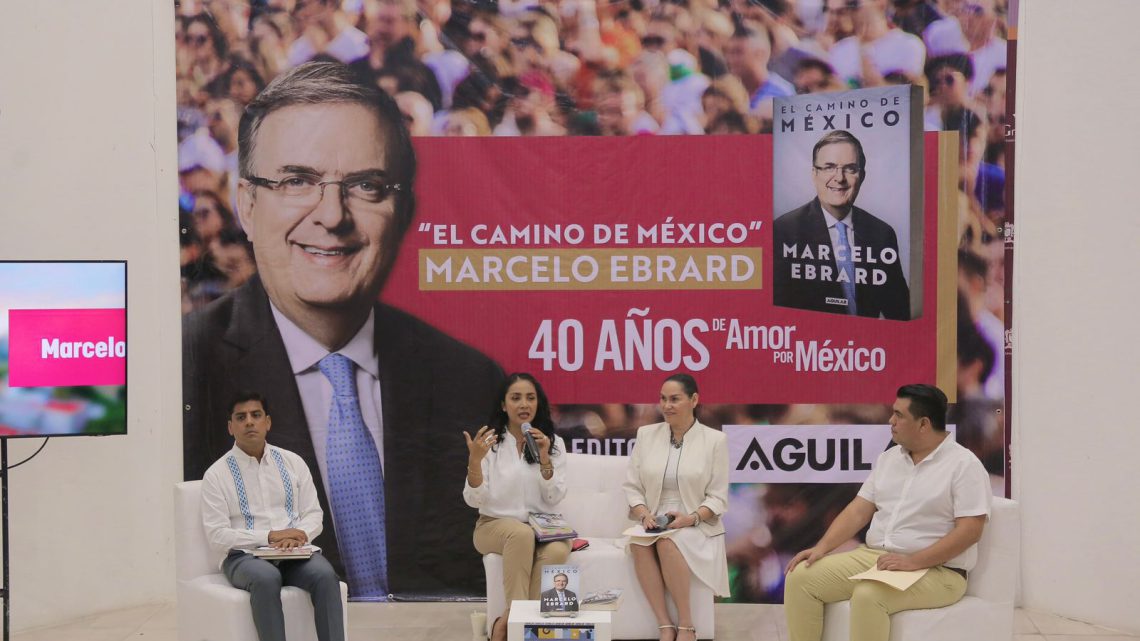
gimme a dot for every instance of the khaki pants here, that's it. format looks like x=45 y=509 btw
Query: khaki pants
x=523 y=558
x=807 y=589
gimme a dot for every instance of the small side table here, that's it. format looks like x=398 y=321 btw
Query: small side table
x=525 y=613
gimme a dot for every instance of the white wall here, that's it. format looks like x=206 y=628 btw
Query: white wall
x=86 y=171
x=1076 y=436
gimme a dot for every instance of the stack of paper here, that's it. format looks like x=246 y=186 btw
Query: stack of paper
x=270 y=553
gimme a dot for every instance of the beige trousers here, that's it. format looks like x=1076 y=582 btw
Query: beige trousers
x=523 y=558
x=807 y=589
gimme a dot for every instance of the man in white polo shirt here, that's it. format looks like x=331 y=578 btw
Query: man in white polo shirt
x=927 y=501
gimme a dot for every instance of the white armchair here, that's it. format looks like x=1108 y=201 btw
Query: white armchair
x=209 y=608
x=595 y=506
x=984 y=614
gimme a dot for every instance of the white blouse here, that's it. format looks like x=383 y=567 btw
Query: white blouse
x=670 y=487
x=513 y=488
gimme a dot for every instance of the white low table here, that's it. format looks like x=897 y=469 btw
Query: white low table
x=525 y=613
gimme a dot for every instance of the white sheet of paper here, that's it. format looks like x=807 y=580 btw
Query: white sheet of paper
x=897 y=579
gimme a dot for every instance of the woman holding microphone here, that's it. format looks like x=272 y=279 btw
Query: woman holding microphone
x=508 y=477
x=679 y=471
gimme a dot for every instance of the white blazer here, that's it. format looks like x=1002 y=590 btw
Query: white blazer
x=702 y=471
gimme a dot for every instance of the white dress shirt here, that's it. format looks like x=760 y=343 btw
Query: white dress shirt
x=917 y=504
x=671 y=485
x=268 y=507
x=833 y=232
x=513 y=488
x=316 y=392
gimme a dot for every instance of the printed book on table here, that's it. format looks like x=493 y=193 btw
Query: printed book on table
x=559 y=591
x=550 y=527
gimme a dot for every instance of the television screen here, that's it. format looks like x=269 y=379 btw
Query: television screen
x=63 y=348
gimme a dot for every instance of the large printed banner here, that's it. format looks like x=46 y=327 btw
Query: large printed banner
x=601 y=265
x=571 y=220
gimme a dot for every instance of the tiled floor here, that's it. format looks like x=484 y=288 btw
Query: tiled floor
x=450 y=622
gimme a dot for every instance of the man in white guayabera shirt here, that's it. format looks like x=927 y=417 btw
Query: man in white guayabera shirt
x=260 y=495
x=927 y=501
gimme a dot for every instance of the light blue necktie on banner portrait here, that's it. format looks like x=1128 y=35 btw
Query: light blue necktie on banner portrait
x=843 y=260
x=356 y=484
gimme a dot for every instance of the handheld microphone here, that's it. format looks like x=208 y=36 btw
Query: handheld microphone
x=531 y=446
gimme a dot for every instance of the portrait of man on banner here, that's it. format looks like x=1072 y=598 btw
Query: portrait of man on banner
x=373 y=399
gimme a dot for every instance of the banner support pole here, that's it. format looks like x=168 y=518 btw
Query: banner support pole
x=5 y=589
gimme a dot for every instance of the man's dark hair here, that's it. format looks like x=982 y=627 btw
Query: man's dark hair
x=409 y=75
x=898 y=77
x=964 y=120
x=815 y=63
x=233 y=236
x=778 y=7
x=972 y=346
x=217 y=37
x=248 y=396
x=220 y=86
x=955 y=61
x=316 y=83
x=972 y=264
x=752 y=31
x=729 y=122
x=838 y=137
x=926 y=401
x=189 y=235
x=473 y=90
x=563 y=575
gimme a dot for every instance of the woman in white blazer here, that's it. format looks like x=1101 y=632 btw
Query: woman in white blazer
x=679 y=468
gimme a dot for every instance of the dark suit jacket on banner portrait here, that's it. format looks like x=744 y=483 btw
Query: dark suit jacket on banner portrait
x=805 y=227
x=432 y=388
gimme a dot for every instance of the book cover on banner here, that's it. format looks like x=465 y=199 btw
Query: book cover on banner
x=559 y=591
x=550 y=527
x=847 y=202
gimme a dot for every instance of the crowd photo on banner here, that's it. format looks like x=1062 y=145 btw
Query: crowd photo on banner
x=553 y=68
